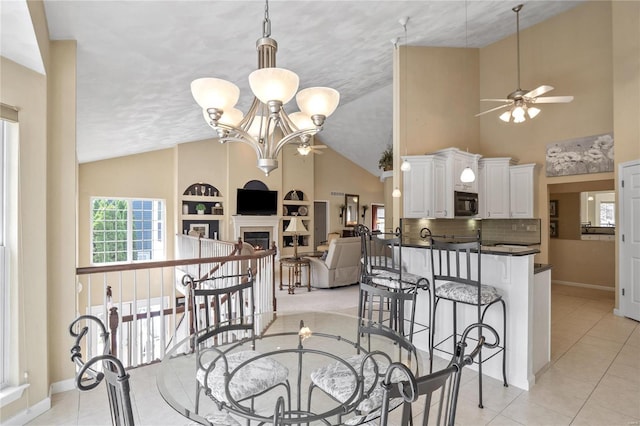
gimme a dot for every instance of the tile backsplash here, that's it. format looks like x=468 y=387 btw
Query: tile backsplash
x=517 y=231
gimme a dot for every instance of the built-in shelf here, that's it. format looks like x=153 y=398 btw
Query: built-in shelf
x=214 y=203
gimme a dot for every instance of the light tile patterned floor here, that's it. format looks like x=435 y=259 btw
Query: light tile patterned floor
x=594 y=377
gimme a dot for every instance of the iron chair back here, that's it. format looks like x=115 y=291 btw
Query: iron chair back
x=446 y=380
x=224 y=306
x=381 y=252
x=224 y=313
x=117 y=379
x=382 y=312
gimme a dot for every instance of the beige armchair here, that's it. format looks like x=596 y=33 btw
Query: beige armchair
x=325 y=244
x=341 y=266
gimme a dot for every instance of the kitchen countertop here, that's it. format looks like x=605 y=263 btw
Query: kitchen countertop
x=499 y=249
x=541 y=267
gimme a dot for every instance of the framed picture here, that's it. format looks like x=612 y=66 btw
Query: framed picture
x=553 y=229
x=199 y=229
x=553 y=208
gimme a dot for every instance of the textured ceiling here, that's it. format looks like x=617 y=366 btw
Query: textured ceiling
x=136 y=60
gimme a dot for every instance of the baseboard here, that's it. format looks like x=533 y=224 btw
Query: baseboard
x=30 y=413
x=617 y=312
x=591 y=286
x=63 y=386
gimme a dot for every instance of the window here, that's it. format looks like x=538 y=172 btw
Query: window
x=607 y=213
x=127 y=230
x=4 y=284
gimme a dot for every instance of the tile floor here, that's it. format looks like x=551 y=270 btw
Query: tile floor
x=593 y=379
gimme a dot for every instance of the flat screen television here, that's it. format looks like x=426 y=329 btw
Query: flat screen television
x=256 y=202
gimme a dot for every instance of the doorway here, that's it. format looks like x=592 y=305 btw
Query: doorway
x=320 y=215
x=377 y=217
x=629 y=240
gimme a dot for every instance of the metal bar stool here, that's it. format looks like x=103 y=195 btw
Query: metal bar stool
x=457 y=277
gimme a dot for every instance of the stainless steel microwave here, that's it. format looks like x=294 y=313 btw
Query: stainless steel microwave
x=465 y=204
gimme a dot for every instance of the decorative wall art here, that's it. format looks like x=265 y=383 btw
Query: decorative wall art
x=591 y=154
x=553 y=229
x=199 y=229
x=553 y=208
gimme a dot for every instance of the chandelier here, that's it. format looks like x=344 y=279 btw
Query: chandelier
x=266 y=127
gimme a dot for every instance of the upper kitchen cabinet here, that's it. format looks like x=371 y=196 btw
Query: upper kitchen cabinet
x=424 y=187
x=493 y=181
x=522 y=191
x=456 y=161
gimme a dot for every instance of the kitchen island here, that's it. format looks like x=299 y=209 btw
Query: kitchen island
x=526 y=290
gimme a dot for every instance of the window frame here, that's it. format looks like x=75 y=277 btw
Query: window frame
x=162 y=230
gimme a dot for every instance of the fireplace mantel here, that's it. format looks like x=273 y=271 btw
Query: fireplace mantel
x=242 y=223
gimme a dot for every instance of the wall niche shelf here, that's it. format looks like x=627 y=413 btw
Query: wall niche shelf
x=211 y=198
x=296 y=203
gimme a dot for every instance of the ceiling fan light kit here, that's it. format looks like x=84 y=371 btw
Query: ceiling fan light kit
x=272 y=88
x=520 y=101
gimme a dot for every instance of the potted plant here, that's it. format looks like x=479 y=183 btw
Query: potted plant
x=386 y=159
x=200 y=208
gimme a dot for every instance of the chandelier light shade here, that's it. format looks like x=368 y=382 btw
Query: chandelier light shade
x=396 y=193
x=315 y=101
x=215 y=93
x=272 y=88
x=274 y=84
x=405 y=166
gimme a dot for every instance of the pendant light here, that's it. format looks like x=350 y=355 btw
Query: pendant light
x=467 y=175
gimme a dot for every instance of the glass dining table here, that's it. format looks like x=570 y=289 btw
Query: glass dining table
x=301 y=341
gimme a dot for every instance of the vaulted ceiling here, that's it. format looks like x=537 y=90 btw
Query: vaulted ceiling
x=136 y=60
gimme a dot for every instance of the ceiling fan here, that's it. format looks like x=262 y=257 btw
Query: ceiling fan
x=520 y=102
x=305 y=148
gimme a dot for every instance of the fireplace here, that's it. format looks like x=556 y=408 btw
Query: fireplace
x=259 y=240
x=243 y=225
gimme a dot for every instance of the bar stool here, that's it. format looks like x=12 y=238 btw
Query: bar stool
x=382 y=267
x=456 y=277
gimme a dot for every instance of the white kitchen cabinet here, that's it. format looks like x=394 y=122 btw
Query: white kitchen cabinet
x=425 y=194
x=494 y=187
x=418 y=187
x=442 y=190
x=456 y=162
x=522 y=191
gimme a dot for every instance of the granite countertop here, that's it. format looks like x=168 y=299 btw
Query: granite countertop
x=541 y=267
x=502 y=249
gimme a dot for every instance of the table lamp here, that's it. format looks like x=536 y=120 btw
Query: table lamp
x=295 y=226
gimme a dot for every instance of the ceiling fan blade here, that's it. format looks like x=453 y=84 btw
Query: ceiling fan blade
x=538 y=91
x=553 y=100
x=493 y=109
x=496 y=100
x=319 y=146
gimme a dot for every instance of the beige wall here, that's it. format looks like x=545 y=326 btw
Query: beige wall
x=568 y=220
x=334 y=173
x=571 y=52
x=27 y=90
x=591 y=52
x=62 y=177
x=145 y=175
x=436 y=102
x=583 y=262
x=227 y=167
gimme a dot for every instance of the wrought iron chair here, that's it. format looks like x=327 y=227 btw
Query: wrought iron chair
x=100 y=367
x=459 y=275
x=447 y=381
x=382 y=267
x=223 y=313
x=335 y=379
